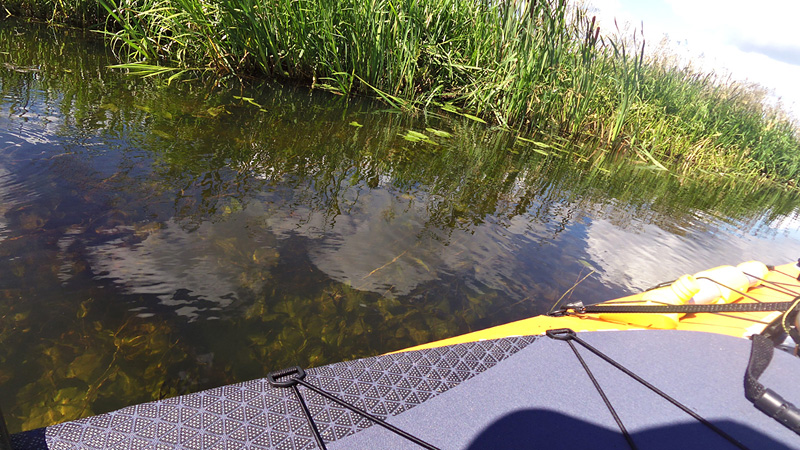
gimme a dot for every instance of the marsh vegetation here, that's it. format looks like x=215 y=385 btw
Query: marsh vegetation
x=537 y=68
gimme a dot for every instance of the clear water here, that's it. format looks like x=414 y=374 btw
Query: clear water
x=157 y=240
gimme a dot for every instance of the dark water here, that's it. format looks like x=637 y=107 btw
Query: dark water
x=157 y=240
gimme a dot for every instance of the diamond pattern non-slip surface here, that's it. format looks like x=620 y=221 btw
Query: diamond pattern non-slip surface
x=254 y=415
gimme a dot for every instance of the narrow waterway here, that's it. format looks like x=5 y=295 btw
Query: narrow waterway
x=160 y=239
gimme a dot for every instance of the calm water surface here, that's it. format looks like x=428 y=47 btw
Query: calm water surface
x=157 y=240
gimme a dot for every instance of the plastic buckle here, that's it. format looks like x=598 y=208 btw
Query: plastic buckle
x=561 y=334
x=296 y=373
x=569 y=308
x=577 y=307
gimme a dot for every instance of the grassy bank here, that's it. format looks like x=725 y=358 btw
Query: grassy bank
x=537 y=66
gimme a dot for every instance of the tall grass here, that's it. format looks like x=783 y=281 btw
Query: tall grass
x=701 y=117
x=536 y=66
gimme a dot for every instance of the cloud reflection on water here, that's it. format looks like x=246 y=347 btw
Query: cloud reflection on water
x=193 y=272
x=647 y=255
x=384 y=243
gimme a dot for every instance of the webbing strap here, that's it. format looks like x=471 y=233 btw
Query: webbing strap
x=686 y=309
x=566 y=334
x=765 y=399
x=760 y=357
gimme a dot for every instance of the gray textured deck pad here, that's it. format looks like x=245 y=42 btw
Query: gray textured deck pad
x=542 y=398
x=254 y=415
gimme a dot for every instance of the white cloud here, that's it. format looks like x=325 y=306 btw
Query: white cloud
x=770 y=23
x=754 y=43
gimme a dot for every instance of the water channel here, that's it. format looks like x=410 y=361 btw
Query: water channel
x=161 y=239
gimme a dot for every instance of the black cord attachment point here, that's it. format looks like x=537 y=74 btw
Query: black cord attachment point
x=561 y=334
x=297 y=373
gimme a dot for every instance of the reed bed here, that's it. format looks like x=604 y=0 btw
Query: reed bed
x=534 y=66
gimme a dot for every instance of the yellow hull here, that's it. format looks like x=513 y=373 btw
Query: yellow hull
x=732 y=324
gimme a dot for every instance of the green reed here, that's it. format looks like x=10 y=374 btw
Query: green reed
x=536 y=66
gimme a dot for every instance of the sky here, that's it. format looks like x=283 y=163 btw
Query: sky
x=751 y=41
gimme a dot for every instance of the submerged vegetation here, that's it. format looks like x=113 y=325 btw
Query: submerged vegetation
x=538 y=67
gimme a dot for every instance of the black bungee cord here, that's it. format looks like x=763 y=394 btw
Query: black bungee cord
x=568 y=335
x=296 y=376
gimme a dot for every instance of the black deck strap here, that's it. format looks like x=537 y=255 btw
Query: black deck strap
x=760 y=357
x=297 y=376
x=567 y=334
x=558 y=334
x=685 y=309
x=765 y=399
